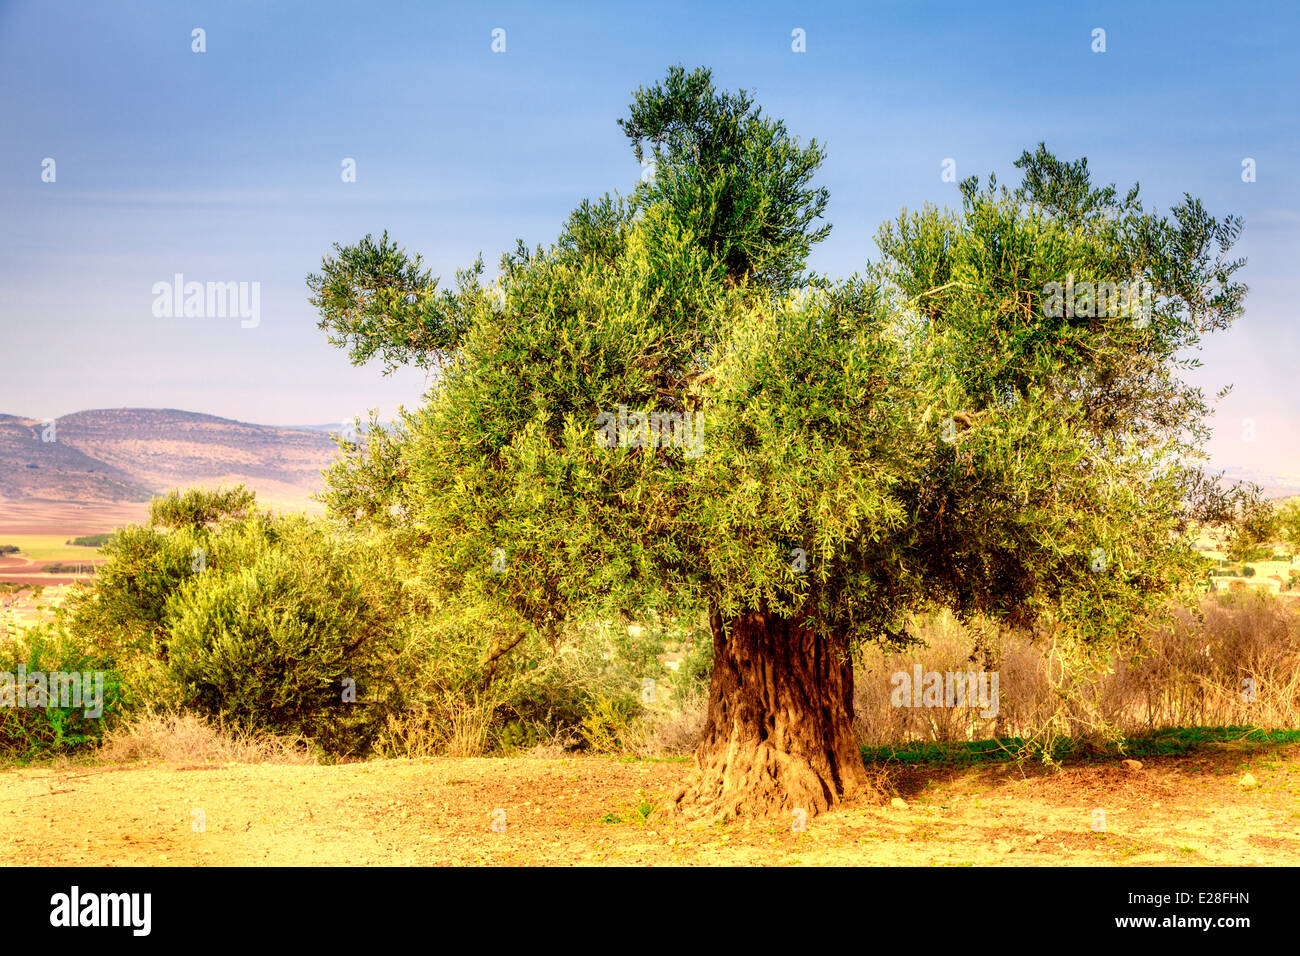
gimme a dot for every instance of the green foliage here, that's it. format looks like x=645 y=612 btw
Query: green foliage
x=9 y=549
x=733 y=179
x=929 y=432
x=89 y=540
x=1252 y=529
x=199 y=507
x=376 y=302
x=257 y=620
x=695 y=668
x=269 y=645
x=239 y=614
x=365 y=485
x=143 y=568
x=1288 y=525
x=607 y=724
x=37 y=731
x=1160 y=743
x=146 y=566
x=60 y=567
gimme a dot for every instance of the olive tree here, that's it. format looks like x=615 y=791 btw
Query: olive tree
x=665 y=407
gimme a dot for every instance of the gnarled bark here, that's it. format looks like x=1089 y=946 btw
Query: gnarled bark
x=779 y=733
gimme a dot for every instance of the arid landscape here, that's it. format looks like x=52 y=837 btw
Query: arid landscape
x=587 y=436
x=89 y=470
x=1173 y=811
x=93 y=472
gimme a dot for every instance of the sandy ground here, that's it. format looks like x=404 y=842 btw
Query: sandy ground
x=1186 y=810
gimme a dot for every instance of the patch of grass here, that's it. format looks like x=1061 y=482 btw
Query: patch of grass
x=632 y=813
x=1160 y=743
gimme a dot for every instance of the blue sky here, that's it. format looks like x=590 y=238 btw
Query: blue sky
x=225 y=165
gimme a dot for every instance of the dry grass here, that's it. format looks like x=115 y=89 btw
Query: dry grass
x=188 y=739
x=453 y=728
x=670 y=732
x=1188 y=674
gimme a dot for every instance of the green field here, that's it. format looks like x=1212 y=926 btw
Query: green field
x=49 y=547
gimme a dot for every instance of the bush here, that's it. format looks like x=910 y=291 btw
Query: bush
x=44 y=728
x=124 y=610
x=92 y=540
x=1248 y=572
x=283 y=645
x=199 y=507
x=255 y=621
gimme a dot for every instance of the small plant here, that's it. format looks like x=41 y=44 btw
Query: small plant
x=645 y=807
x=607 y=724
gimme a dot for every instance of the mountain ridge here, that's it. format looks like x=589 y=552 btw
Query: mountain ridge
x=132 y=454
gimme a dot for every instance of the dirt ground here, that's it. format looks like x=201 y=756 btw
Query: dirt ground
x=1187 y=810
x=39 y=516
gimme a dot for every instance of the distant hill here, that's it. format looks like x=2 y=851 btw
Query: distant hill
x=132 y=454
x=1271 y=484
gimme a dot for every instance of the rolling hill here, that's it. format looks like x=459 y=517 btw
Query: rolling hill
x=128 y=455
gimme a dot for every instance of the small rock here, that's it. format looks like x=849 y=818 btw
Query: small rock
x=1132 y=764
x=898 y=803
x=1248 y=782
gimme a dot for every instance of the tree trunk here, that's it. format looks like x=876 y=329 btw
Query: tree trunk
x=779 y=734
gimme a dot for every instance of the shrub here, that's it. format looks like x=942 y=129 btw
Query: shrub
x=199 y=507
x=44 y=728
x=271 y=646
x=124 y=609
